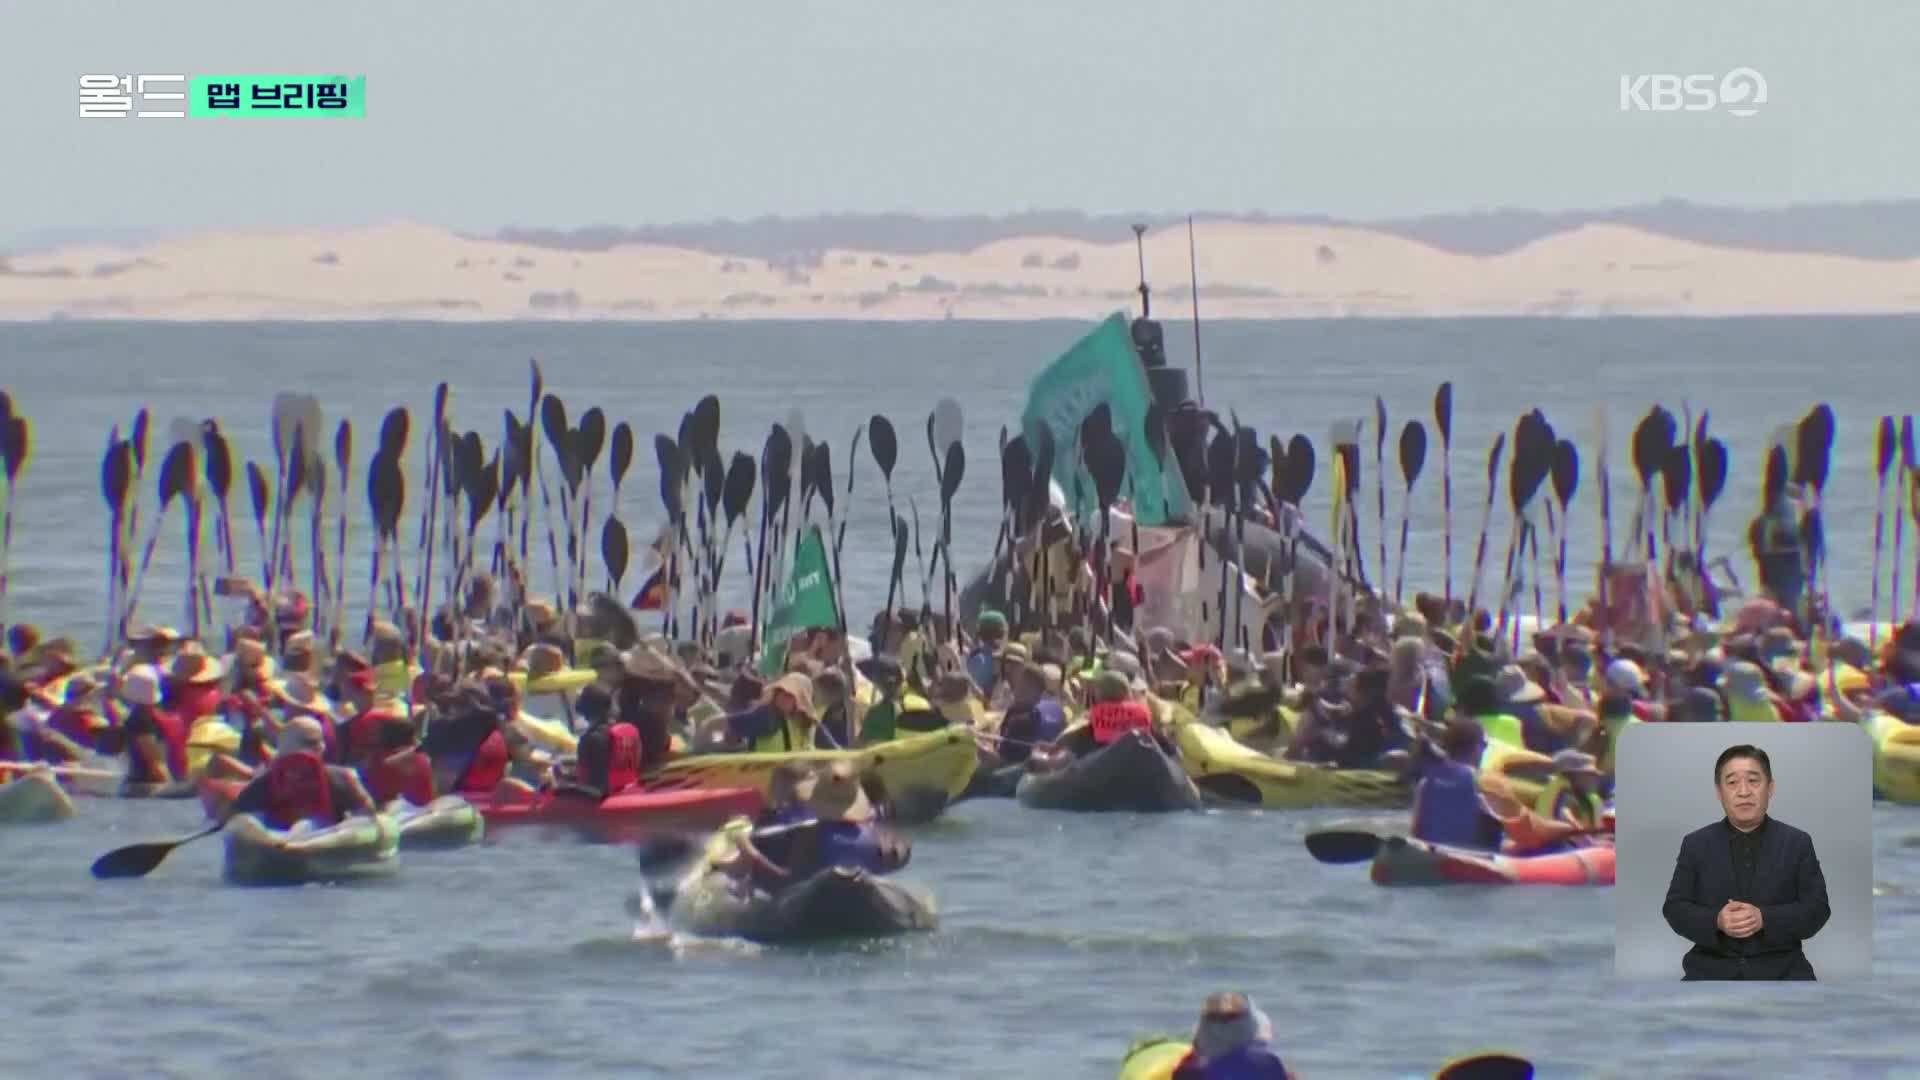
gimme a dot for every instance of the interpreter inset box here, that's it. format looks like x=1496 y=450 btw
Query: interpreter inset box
x=1745 y=852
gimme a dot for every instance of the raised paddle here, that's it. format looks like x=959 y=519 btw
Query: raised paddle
x=1413 y=456
x=1486 y=523
x=1900 y=519
x=1443 y=420
x=116 y=480
x=1884 y=446
x=1380 y=482
x=139 y=860
x=16 y=443
x=1565 y=472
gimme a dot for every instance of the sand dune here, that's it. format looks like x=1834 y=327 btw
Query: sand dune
x=1247 y=270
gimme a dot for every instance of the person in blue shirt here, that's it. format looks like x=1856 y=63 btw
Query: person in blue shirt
x=1447 y=805
x=1033 y=718
x=1233 y=1041
x=990 y=635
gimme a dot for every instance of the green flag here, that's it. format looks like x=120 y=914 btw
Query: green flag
x=804 y=603
x=1102 y=366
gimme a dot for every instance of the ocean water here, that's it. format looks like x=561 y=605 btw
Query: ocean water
x=1063 y=936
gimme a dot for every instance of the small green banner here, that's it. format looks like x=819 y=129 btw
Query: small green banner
x=805 y=603
x=278 y=95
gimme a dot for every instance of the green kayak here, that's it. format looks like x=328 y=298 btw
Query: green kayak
x=34 y=799
x=359 y=847
x=447 y=822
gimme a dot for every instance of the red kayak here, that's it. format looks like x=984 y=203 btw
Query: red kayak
x=1403 y=861
x=626 y=817
x=629 y=816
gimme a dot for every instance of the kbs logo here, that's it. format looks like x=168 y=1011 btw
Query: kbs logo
x=1739 y=92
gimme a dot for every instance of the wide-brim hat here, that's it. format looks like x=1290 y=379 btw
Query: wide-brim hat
x=838 y=796
x=192 y=668
x=542 y=660
x=302 y=690
x=141 y=686
x=1515 y=688
x=795 y=685
x=1577 y=762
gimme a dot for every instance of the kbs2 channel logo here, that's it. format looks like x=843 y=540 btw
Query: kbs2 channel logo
x=1739 y=92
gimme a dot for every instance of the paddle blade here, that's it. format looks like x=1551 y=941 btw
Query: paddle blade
x=1300 y=467
x=116 y=475
x=176 y=472
x=706 y=427
x=1413 y=451
x=1379 y=426
x=1016 y=472
x=394 y=428
x=956 y=469
x=257 y=489
x=1222 y=468
x=1712 y=469
x=614 y=549
x=1487 y=1067
x=899 y=547
x=1773 y=483
x=713 y=479
x=219 y=461
x=885 y=444
x=621 y=453
x=823 y=473
x=132 y=861
x=667 y=453
x=739 y=486
x=1566 y=471
x=1884 y=447
x=776 y=469
x=1814 y=442
x=139 y=440
x=1650 y=443
x=16 y=443
x=1343 y=846
x=553 y=423
x=1676 y=476
x=1443 y=412
x=1107 y=460
x=590 y=437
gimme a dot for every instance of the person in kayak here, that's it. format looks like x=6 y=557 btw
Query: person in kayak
x=155 y=738
x=1033 y=718
x=398 y=770
x=1573 y=795
x=895 y=709
x=607 y=759
x=789 y=788
x=1232 y=1041
x=1447 y=804
x=299 y=786
x=983 y=661
x=1779 y=551
x=781 y=723
x=469 y=753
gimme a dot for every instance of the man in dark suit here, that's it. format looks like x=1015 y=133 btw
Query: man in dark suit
x=1747 y=889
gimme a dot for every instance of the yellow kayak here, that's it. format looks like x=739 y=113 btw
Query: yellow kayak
x=1153 y=1059
x=569 y=681
x=549 y=735
x=939 y=761
x=1220 y=766
x=1896 y=758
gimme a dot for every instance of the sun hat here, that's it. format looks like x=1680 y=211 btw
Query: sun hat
x=1515 y=688
x=194 y=668
x=141 y=686
x=795 y=685
x=838 y=796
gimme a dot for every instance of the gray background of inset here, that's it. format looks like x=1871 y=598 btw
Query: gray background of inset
x=1823 y=784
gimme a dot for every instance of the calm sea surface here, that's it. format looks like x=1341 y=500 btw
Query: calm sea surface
x=1063 y=936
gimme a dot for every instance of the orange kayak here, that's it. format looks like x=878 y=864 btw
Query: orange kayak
x=1404 y=861
x=629 y=816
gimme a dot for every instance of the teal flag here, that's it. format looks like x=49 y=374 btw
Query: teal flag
x=804 y=603
x=1103 y=366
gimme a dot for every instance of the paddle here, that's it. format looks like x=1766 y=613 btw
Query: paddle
x=1711 y=463
x=1443 y=420
x=1900 y=519
x=174 y=476
x=343 y=466
x=1380 y=482
x=257 y=492
x=1034 y=516
x=667 y=453
x=885 y=445
x=139 y=440
x=1814 y=439
x=1290 y=486
x=1413 y=456
x=619 y=456
x=1486 y=523
x=219 y=466
x=956 y=468
x=1565 y=470
x=116 y=479
x=1493 y=1066
x=139 y=860
x=775 y=470
x=1223 y=464
x=1532 y=461
x=1652 y=437
x=589 y=438
x=1884 y=447
x=15 y=443
x=1338 y=847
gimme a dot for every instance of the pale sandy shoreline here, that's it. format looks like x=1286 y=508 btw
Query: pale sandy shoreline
x=1247 y=271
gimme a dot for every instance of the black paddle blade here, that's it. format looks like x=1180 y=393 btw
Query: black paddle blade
x=440 y=393
x=1443 y=412
x=1193 y=456
x=1651 y=438
x=667 y=453
x=1223 y=462
x=1413 y=451
x=950 y=477
x=1565 y=471
x=1016 y=472
x=885 y=444
x=1379 y=425
x=613 y=549
x=116 y=475
x=1773 y=483
x=342 y=451
x=1676 y=476
x=1277 y=464
x=469 y=457
x=1815 y=447
x=17 y=443
x=713 y=479
x=1487 y=1067
x=1097 y=423
x=809 y=463
x=393 y=431
x=219 y=462
x=176 y=472
x=1343 y=846
x=739 y=486
x=553 y=423
x=776 y=469
x=1300 y=467
x=480 y=495
x=1884 y=447
x=257 y=488
x=139 y=440
x=132 y=861
x=706 y=427
x=823 y=473
x=590 y=437
x=1493 y=462
x=1712 y=469
x=621 y=453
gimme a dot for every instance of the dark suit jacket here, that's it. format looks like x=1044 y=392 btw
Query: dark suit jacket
x=1787 y=888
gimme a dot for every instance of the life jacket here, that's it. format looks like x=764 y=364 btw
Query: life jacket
x=173 y=737
x=299 y=789
x=1559 y=794
x=363 y=733
x=1110 y=720
x=1447 y=806
x=845 y=843
x=1504 y=728
x=623 y=757
x=409 y=777
x=1747 y=709
x=487 y=767
x=196 y=701
x=1249 y=1061
x=789 y=735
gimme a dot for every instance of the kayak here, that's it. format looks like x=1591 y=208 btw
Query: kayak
x=34 y=799
x=940 y=762
x=1153 y=1058
x=1130 y=773
x=560 y=682
x=837 y=902
x=993 y=778
x=626 y=817
x=359 y=847
x=1896 y=758
x=552 y=736
x=1237 y=774
x=1405 y=861
x=447 y=822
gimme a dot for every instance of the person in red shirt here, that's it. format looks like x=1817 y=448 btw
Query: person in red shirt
x=370 y=714
x=398 y=770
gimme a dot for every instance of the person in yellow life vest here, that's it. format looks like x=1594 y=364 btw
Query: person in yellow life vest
x=1523 y=830
x=782 y=722
x=895 y=710
x=1748 y=698
x=1573 y=795
x=1480 y=702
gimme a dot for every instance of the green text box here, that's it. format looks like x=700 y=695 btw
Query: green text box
x=278 y=95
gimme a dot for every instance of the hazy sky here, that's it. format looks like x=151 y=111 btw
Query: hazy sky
x=571 y=112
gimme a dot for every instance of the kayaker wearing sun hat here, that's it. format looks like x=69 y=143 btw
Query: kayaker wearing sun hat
x=297 y=785
x=156 y=739
x=1232 y=1041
